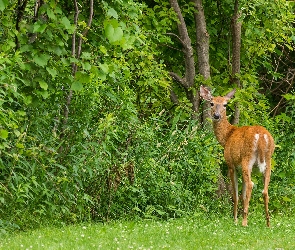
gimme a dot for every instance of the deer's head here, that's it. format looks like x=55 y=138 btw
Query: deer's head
x=218 y=103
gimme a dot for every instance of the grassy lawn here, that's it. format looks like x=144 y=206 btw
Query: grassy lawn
x=199 y=232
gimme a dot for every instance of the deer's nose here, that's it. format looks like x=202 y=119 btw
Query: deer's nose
x=216 y=116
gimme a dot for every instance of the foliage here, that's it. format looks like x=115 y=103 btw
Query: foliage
x=285 y=159
x=125 y=150
x=111 y=163
x=117 y=173
x=267 y=25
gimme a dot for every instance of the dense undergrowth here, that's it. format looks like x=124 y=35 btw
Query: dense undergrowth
x=105 y=141
x=118 y=166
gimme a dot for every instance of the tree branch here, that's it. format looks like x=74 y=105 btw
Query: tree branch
x=177 y=78
x=76 y=16
x=178 y=38
x=84 y=33
x=173 y=97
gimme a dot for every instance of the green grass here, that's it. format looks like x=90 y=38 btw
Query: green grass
x=198 y=232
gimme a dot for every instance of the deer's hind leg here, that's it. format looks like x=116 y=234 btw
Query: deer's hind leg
x=234 y=181
x=266 y=178
x=247 y=188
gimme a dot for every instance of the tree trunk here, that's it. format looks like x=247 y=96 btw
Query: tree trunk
x=202 y=38
x=236 y=55
x=188 y=81
x=20 y=11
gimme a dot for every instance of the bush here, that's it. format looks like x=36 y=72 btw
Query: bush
x=113 y=166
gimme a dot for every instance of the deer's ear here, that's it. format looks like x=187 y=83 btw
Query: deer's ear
x=205 y=93
x=230 y=94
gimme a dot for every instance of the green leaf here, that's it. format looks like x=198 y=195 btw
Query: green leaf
x=20 y=145
x=3 y=4
x=94 y=70
x=27 y=99
x=3 y=132
x=67 y=24
x=41 y=60
x=38 y=27
x=113 y=34
x=109 y=31
x=74 y=60
x=65 y=61
x=77 y=86
x=137 y=209
x=26 y=47
x=101 y=75
x=44 y=94
x=22 y=113
x=112 y=13
x=287 y=199
x=50 y=14
x=289 y=97
x=82 y=77
x=118 y=34
x=86 y=55
x=52 y=72
x=103 y=49
x=86 y=66
x=104 y=67
x=17 y=133
x=43 y=85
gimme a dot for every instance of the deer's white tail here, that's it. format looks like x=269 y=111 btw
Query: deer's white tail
x=261 y=150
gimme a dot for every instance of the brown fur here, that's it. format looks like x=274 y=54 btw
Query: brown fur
x=243 y=147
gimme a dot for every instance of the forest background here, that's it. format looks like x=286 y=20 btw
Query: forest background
x=100 y=111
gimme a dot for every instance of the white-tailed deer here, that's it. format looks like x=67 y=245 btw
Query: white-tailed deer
x=244 y=147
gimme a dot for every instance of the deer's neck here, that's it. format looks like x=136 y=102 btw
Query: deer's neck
x=223 y=129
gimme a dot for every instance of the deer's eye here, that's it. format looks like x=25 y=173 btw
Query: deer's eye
x=212 y=104
x=224 y=105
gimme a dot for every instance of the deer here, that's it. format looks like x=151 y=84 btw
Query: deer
x=244 y=147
